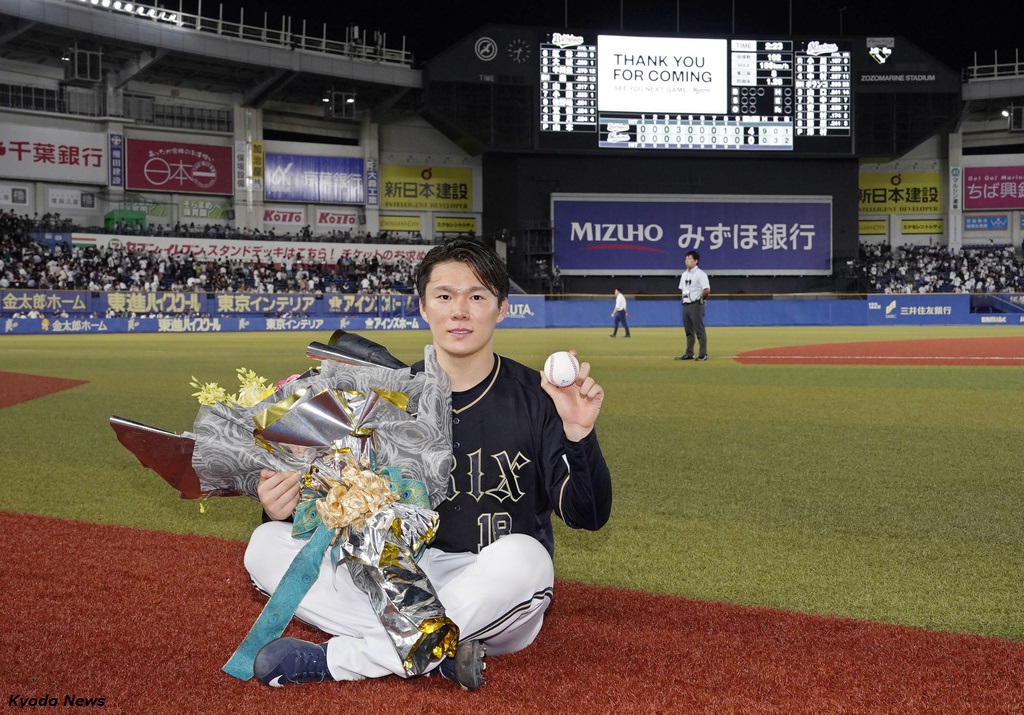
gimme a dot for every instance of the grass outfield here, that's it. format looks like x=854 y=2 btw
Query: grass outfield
x=886 y=493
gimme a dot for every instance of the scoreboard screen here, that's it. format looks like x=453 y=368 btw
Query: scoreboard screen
x=627 y=92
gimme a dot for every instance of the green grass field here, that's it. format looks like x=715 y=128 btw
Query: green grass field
x=885 y=493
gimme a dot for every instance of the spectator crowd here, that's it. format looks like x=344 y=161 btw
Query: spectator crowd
x=935 y=269
x=28 y=264
x=53 y=222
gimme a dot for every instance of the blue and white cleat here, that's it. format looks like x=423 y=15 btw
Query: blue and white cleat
x=290 y=660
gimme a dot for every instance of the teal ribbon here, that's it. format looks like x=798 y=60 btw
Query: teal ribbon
x=297 y=581
x=304 y=570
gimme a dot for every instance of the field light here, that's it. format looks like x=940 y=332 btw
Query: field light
x=1006 y=112
x=136 y=10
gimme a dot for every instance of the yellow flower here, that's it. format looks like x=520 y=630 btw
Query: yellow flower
x=253 y=388
x=209 y=393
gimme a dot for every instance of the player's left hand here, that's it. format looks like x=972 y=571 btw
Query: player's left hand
x=578 y=404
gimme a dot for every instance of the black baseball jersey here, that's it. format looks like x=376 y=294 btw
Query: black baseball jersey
x=514 y=466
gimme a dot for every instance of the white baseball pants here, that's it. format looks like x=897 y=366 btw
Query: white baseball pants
x=498 y=596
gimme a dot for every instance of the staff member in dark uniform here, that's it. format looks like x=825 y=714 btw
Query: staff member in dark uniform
x=696 y=288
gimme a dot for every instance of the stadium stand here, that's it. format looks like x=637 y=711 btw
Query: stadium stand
x=74 y=85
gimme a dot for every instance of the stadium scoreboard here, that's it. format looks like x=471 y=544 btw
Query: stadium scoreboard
x=629 y=92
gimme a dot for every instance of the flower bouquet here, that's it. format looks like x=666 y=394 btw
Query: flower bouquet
x=374 y=447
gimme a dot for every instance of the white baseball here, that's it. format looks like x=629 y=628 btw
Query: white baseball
x=561 y=369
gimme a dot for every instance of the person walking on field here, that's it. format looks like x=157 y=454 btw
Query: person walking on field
x=696 y=288
x=620 y=313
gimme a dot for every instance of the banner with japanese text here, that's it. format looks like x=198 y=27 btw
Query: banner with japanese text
x=204 y=209
x=619 y=234
x=117 y=159
x=987 y=222
x=179 y=167
x=14 y=196
x=921 y=227
x=910 y=309
x=93 y=325
x=537 y=312
x=65 y=155
x=313 y=179
x=53 y=303
x=899 y=192
x=69 y=199
x=343 y=310
x=425 y=187
x=252 y=250
x=372 y=183
x=242 y=173
x=994 y=187
x=455 y=224
x=157 y=207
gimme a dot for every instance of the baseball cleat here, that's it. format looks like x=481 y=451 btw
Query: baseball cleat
x=467 y=667
x=290 y=660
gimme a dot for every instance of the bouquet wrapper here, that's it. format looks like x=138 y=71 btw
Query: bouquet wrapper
x=170 y=454
x=166 y=453
x=320 y=423
x=381 y=558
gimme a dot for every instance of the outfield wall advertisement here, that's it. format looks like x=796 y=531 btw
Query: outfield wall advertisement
x=620 y=234
x=936 y=309
x=85 y=312
x=79 y=312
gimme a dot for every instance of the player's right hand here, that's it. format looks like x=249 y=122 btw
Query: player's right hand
x=278 y=493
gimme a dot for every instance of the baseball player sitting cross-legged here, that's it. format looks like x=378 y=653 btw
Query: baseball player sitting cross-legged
x=523 y=449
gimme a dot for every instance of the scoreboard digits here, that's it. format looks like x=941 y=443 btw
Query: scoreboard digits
x=619 y=92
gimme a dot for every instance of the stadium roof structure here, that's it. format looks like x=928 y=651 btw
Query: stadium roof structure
x=119 y=42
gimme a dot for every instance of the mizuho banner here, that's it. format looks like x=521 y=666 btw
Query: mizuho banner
x=313 y=179
x=735 y=235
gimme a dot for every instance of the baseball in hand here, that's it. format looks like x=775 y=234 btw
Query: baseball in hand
x=561 y=369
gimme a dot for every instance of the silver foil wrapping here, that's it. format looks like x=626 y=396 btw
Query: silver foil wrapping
x=381 y=557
